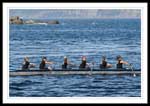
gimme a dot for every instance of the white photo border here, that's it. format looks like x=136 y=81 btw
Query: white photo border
x=141 y=6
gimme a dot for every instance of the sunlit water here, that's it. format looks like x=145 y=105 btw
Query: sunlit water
x=75 y=38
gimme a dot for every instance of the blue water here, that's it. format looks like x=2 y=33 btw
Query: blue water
x=74 y=38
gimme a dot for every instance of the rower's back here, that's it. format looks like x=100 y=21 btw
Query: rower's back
x=64 y=66
x=42 y=64
x=119 y=65
x=26 y=64
x=83 y=64
x=104 y=64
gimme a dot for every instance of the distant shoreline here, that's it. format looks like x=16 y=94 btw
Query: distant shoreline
x=73 y=18
x=21 y=20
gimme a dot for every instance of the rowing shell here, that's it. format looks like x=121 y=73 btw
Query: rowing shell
x=75 y=72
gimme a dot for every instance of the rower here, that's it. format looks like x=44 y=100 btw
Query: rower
x=25 y=64
x=43 y=64
x=84 y=64
x=104 y=63
x=64 y=65
x=120 y=62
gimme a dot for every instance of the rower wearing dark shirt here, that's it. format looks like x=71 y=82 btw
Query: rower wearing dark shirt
x=65 y=64
x=43 y=63
x=84 y=64
x=104 y=63
x=120 y=62
x=25 y=64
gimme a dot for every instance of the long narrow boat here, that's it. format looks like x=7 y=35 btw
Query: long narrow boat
x=76 y=72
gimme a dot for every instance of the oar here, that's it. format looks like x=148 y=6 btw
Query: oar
x=93 y=65
x=32 y=65
x=92 y=68
x=132 y=70
x=50 y=67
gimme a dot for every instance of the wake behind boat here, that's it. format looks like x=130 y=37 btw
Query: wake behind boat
x=75 y=72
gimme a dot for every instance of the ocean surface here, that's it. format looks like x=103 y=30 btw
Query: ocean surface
x=75 y=38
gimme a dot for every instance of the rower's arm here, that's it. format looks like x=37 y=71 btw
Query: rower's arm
x=32 y=65
x=87 y=64
x=124 y=62
x=47 y=62
x=109 y=65
x=68 y=62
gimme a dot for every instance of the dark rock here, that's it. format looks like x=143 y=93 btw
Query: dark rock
x=16 y=20
x=53 y=22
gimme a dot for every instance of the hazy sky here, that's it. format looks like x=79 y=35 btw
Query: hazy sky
x=76 y=13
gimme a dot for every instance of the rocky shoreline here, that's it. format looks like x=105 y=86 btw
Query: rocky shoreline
x=19 y=20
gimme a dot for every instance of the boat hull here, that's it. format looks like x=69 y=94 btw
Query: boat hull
x=74 y=72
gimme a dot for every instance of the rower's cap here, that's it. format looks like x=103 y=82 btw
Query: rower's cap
x=65 y=57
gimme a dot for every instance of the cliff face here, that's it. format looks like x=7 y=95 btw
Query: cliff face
x=76 y=13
